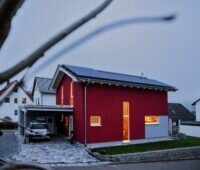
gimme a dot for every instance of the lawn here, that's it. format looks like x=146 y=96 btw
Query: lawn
x=132 y=148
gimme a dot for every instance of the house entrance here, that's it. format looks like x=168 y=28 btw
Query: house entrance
x=65 y=124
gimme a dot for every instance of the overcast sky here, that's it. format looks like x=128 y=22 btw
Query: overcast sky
x=168 y=52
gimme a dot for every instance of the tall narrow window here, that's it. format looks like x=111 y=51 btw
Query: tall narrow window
x=72 y=94
x=62 y=95
x=15 y=100
x=126 y=122
x=16 y=112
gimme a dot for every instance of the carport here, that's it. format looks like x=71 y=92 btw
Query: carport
x=58 y=118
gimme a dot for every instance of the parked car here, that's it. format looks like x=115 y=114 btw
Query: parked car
x=37 y=130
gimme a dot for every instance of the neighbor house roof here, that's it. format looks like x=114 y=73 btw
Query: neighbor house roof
x=43 y=85
x=178 y=111
x=194 y=103
x=84 y=74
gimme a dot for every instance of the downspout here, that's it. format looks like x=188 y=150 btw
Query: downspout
x=85 y=113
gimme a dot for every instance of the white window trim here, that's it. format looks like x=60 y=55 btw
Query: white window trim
x=153 y=123
x=96 y=124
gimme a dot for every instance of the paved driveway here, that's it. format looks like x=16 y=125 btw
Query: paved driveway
x=56 y=151
x=8 y=145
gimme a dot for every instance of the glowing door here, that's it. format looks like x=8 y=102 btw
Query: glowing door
x=126 y=124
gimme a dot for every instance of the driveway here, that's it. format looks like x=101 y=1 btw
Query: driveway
x=56 y=151
x=8 y=145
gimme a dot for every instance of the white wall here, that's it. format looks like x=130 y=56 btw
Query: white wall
x=190 y=130
x=158 y=130
x=198 y=111
x=8 y=109
x=48 y=99
x=42 y=98
x=37 y=97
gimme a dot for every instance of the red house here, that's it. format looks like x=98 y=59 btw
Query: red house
x=111 y=107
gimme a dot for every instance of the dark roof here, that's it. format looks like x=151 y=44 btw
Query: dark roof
x=178 y=111
x=83 y=73
x=194 y=103
x=43 y=85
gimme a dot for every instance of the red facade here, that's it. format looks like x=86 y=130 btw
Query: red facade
x=107 y=101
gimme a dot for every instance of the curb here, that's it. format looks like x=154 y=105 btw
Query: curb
x=188 y=153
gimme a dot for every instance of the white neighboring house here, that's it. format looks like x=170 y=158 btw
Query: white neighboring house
x=42 y=95
x=10 y=106
x=192 y=128
x=196 y=105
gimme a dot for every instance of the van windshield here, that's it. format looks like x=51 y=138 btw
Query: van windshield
x=39 y=126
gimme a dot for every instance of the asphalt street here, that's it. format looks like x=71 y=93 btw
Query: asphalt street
x=171 y=165
x=8 y=145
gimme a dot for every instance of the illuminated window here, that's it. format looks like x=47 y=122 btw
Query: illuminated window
x=71 y=94
x=150 y=120
x=95 y=121
x=126 y=122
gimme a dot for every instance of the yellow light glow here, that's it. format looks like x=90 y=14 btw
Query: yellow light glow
x=151 y=120
x=71 y=94
x=126 y=125
x=95 y=121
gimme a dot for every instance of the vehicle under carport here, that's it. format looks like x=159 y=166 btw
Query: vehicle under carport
x=58 y=118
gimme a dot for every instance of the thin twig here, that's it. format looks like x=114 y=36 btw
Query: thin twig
x=96 y=32
x=31 y=59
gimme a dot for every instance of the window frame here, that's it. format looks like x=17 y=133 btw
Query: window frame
x=15 y=112
x=7 y=100
x=24 y=100
x=99 y=124
x=15 y=100
x=152 y=123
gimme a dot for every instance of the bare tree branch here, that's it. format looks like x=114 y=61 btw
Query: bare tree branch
x=8 y=9
x=31 y=59
x=97 y=32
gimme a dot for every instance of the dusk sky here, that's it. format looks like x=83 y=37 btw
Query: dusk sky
x=168 y=52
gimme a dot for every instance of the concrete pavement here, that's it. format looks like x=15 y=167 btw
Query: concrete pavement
x=168 y=165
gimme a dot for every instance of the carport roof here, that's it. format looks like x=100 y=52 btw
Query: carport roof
x=56 y=108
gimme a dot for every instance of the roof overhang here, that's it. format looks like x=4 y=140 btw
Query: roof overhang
x=41 y=108
x=60 y=72
x=125 y=84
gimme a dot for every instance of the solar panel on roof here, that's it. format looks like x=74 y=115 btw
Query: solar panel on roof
x=92 y=73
